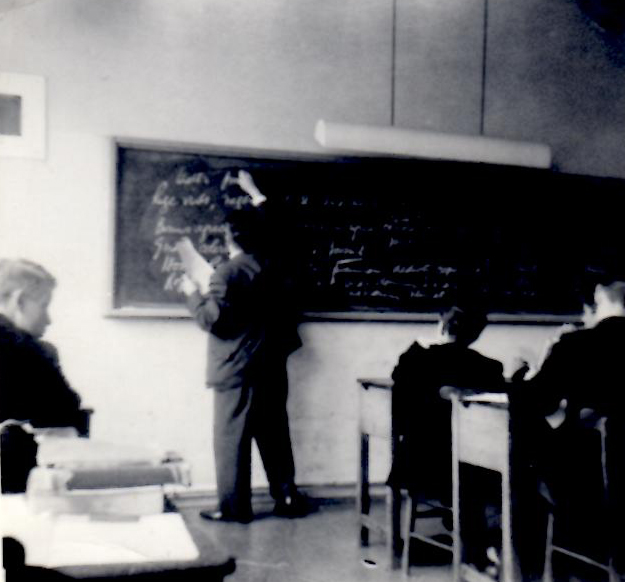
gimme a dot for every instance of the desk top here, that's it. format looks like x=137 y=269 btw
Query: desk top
x=84 y=547
x=493 y=398
x=499 y=399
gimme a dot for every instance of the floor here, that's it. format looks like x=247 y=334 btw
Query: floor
x=322 y=547
x=325 y=547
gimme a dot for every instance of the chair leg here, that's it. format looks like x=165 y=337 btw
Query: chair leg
x=455 y=480
x=613 y=575
x=409 y=521
x=548 y=566
x=393 y=526
x=364 y=500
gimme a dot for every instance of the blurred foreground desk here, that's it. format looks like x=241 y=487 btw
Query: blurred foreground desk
x=155 y=547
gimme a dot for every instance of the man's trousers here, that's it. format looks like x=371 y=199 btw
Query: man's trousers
x=255 y=410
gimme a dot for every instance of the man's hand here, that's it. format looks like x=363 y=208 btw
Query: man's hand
x=589 y=316
x=247 y=184
x=521 y=369
x=556 y=418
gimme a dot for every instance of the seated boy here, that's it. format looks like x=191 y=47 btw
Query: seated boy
x=33 y=389
x=422 y=418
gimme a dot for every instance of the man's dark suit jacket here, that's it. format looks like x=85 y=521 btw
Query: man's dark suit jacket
x=250 y=320
x=587 y=367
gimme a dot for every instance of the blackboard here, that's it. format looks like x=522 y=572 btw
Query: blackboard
x=369 y=237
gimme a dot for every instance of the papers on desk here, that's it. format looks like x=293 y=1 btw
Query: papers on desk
x=77 y=540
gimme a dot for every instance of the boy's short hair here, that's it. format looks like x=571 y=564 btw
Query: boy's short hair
x=247 y=228
x=465 y=324
x=615 y=291
x=24 y=275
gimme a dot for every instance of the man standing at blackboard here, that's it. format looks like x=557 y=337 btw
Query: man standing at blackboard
x=251 y=334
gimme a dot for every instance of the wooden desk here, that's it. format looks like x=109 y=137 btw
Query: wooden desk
x=102 y=554
x=374 y=419
x=481 y=437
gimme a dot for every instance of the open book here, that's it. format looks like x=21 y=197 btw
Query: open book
x=196 y=267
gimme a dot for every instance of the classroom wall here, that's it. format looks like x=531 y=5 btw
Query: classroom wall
x=259 y=74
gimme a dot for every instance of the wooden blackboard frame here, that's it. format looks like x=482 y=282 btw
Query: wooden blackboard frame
x=179 y=311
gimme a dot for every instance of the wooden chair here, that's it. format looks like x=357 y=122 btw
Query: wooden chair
x=418 y=510
x=551 y=547
x=19 y=448
x=413 y=515
x=375 y=420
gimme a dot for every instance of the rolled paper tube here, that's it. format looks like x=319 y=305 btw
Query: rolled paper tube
x=427 y=144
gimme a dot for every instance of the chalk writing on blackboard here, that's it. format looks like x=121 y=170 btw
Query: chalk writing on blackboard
x=356 y=238
x=173 y=201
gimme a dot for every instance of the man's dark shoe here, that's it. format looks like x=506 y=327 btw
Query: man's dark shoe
x=217 y=515
x=292 y=506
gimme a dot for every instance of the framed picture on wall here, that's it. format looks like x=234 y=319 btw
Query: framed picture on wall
x=22 y=116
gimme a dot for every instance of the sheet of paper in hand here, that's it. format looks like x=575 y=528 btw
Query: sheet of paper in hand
x=197 y=268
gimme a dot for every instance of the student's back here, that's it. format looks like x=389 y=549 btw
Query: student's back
x=586 y=367
x=33 y=386
x=422 y=417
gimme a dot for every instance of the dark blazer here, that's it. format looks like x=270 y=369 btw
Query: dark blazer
x=586 y=367
x=32 y=385
x=423 y=418
x=251 y=326
x=33 y=389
